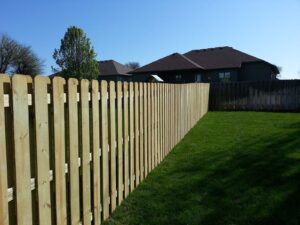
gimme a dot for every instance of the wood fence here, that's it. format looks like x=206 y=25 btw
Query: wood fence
x=280 y=95
x=71 y=151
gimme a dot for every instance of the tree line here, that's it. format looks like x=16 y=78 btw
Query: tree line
x=74 y=58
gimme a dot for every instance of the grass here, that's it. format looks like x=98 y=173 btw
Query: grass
x=232 y=168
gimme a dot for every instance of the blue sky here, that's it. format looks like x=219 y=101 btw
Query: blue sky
x=143 y=31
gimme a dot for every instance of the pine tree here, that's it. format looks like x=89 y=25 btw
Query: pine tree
x=76 y=57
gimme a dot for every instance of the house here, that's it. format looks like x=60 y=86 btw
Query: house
x=221 y=64
x=112 y=70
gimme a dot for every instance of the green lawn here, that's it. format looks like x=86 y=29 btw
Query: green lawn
x=232 y=168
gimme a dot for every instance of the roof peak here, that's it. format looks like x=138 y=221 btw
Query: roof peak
x=212 y=49
x=174 y=61
x=108 y=60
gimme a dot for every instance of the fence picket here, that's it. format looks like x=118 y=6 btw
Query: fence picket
x=153 y=127
x=73 y=151
x=131 y=137
x=276 y=95
x=42 y=149
x=59 y=149
x=126 y=139
x=85 y=151
x=146 y=122
x=96 y=156
x=22 y=150
x=136 y=134
x=120 y=142
x=104 y=147
x=141 y=132
x=4 y=216
x=112 y=121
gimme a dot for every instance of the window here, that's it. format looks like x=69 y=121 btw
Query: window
x=224 y=76
x=227 y=75
x=198 y=77
x=178 y=77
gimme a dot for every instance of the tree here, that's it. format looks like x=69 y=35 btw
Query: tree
x=27 y=62
x=18 y=58
x=8 y=52
x=76 y=57
x=279 y=70
x=133 y=65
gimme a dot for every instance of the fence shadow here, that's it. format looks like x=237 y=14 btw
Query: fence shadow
x=255 y=181
x=256 y=186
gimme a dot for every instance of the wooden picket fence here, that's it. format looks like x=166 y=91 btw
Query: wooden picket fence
x=275 y=95
x=71 y=151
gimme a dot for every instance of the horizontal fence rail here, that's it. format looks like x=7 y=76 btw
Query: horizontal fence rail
x=279 y=95
x=71 y=151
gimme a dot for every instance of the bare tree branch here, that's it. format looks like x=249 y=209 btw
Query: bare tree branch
x=133 y=65
x=18 y=58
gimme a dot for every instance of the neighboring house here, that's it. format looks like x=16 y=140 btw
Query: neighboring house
x=112 y=70
x=221 y=64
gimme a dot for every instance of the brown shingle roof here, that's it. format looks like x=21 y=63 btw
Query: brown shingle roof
x=107 y=67
x=174 y=61
x=207 y=59
x=221 y=57
x=111 y=67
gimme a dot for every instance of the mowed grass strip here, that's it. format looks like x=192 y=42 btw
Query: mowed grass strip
x=232 y=168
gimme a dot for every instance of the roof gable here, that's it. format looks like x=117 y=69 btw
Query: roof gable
x=171 y=62
x=111 y=67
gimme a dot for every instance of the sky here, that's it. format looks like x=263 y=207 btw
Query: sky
x=144 y=31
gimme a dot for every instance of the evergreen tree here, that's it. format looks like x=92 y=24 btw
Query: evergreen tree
x=76 y=57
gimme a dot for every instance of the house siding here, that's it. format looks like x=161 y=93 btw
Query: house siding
x=248 y=72
x=169 y=76
x=256 y=72
x=115 y=78
x=213 y=75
